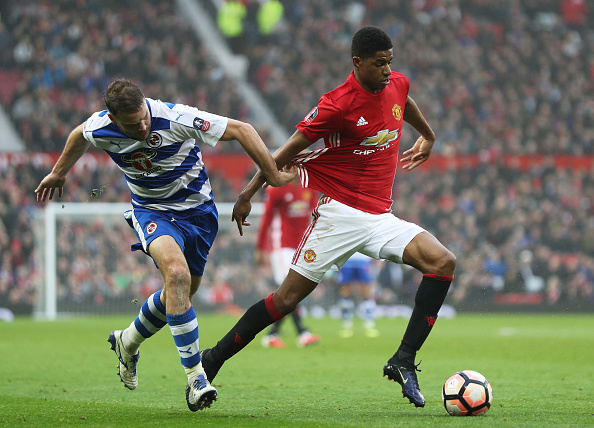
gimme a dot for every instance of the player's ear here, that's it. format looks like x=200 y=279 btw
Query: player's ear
x=357 y=62
x=112 y=118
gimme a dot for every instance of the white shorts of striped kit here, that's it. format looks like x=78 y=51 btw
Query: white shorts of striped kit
x=338 y=231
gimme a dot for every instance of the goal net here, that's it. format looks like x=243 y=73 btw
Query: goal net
x=89 y=269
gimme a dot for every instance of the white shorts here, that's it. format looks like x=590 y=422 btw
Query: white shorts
x=280 y=262
x=338 y=231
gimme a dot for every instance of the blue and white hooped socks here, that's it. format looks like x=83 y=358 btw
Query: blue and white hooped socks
x=347 y=309
x=367 y=307
x=149 y=321
x=184 y=328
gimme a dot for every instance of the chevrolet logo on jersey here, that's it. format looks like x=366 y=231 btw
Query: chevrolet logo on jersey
x=380 y=139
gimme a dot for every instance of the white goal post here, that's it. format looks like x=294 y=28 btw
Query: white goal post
x=87 y=268
x=84 y=253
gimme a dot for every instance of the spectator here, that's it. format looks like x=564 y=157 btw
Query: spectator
x=64 y=56
x=230 y=20
x=474 y=46
x=546 y=211
x=270 y=14
x=574 y=13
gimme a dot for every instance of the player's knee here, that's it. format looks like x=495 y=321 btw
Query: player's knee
x=445 y=264
x=177 y=275
x=285 y=303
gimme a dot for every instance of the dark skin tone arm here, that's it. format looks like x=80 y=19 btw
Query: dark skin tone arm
x=249 y=139
x=283 y=156
x=421 y=150
x=413 y=157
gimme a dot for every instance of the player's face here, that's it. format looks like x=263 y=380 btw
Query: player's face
x=135 y=125
x=373 y=73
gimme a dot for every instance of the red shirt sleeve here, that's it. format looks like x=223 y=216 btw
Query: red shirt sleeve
x=325 y=119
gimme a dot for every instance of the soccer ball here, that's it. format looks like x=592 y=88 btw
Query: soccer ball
x=467 y=393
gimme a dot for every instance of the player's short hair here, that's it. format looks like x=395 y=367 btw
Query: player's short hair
x=123 y=96
x=368 y=40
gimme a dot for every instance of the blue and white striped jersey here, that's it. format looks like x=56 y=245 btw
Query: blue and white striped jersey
x=165 y=171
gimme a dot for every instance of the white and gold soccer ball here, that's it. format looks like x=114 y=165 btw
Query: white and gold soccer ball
x=467 y=393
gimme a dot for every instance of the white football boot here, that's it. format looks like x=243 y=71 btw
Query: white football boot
x=127 y=362
x=200 y=393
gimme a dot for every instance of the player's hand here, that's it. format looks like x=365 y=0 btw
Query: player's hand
x=48 y=186
x=417 y=154
x=285 y=176
x=241 y=210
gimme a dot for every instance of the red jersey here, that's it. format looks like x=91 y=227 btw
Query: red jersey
x=287 y=214
x=361 y=133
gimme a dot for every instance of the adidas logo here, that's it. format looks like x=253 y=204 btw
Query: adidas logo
x=361 y=121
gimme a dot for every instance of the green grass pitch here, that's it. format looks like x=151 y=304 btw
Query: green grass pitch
x=62 y=373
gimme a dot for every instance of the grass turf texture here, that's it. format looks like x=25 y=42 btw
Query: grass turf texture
x=63 y=374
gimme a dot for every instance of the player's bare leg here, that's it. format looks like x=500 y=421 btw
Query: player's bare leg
x=179 y=288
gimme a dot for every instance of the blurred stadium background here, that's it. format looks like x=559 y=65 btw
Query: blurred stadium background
x=508 y=85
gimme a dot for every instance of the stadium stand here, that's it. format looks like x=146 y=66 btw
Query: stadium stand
x=496 y=79
x=65 y=53
x=58 y=57
x=515 y=231
x=509 y=74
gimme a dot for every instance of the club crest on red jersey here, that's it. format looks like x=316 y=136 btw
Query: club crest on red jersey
x=309 y=256
x=397 y=112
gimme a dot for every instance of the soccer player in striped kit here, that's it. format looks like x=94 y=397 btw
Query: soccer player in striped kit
x=360 y=122
x=357 y=277
x=173 y=211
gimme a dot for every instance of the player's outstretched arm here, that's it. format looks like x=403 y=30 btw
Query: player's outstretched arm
x=254 y=146
x=283 y=157
x=76 y=146
x=421 y=150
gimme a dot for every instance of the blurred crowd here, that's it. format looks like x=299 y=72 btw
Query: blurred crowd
x=94 y=264
x=506 y=75
x=57 y=58
x=493 y=77
x=514 y=231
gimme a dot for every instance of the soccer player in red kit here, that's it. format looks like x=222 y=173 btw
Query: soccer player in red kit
x=287 y=214
x=361 y=123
